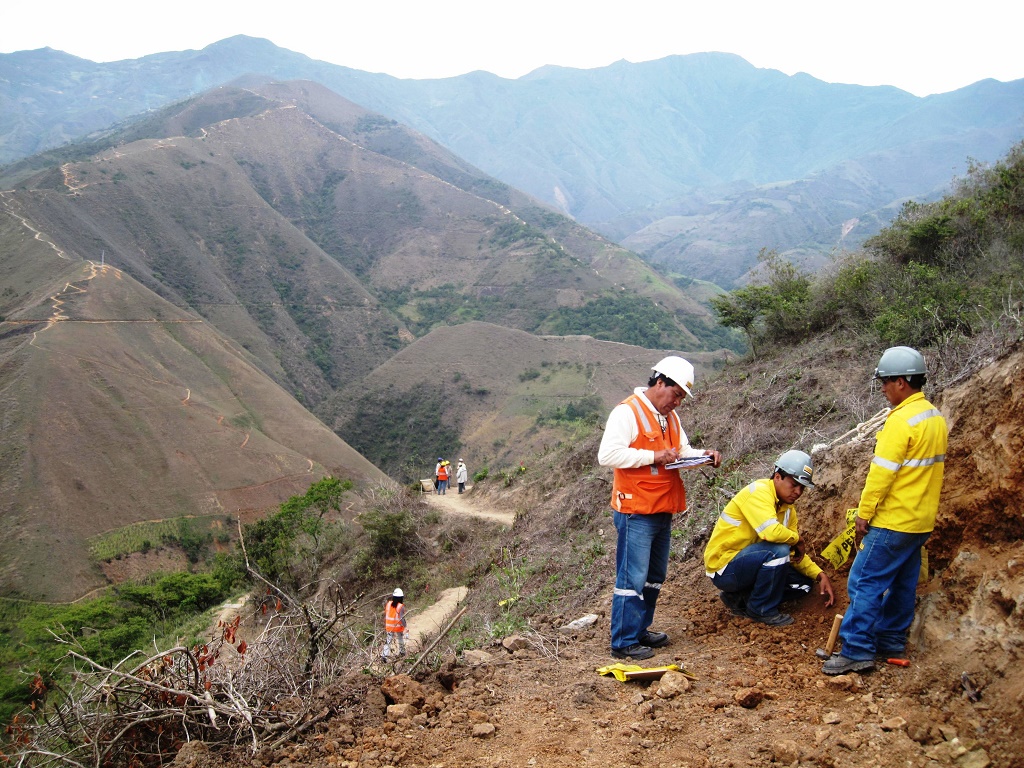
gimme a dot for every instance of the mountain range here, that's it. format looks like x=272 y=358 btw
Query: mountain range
x=180 y=300
x=695 y=161
x=258 y=281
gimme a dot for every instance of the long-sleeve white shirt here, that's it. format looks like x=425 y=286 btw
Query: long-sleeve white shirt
x=621 y=430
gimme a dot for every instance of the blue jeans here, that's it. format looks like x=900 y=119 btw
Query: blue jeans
x=882 y=589
x=762 y=571
x=641 y=564
x=442 y=486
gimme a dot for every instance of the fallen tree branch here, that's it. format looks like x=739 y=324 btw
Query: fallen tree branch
x=437 y=639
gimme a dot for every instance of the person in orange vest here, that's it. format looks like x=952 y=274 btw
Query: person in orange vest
x=642 y=435
x=443 y=474
x=395 y=628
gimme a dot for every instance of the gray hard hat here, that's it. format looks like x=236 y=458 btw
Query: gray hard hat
x=900 y=361
x=797 y=464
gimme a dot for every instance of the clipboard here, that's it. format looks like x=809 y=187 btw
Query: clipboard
x=690 y=462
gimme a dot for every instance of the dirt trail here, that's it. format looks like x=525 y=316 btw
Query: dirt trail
x=463 y=504
x=425 y=625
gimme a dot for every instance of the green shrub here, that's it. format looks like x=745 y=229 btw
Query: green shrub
x=941 y=271
x=290 y=545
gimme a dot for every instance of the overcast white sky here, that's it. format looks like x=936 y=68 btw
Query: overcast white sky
x=921 y=47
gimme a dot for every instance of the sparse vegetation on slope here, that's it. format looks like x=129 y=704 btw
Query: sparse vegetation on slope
x=941 y=273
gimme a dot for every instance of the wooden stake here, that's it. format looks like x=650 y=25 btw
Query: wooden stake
x=834 y=633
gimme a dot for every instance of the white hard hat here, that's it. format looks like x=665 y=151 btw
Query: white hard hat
x=398 y=593
x=677 y=369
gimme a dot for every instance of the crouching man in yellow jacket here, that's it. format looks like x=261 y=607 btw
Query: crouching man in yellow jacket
x=755 y=555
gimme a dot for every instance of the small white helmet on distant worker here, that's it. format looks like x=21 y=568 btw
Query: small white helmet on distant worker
x=677 y=369
x=398 y=593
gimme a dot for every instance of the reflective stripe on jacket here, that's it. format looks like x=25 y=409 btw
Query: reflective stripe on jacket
x=650 y=489
x=904 y=481
x=754 y=514
x=394 y=617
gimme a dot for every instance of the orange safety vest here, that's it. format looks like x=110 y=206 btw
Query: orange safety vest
x=442 y=472
x=393 y=615
x=650 y=489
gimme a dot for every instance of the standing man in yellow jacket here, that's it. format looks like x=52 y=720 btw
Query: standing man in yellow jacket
x=642 y=435
x=755 y=555
x=895 y=517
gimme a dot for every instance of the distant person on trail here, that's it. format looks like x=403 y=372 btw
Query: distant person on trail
x=756 y=555
x=437 y=470
x=443 y=476
x=642 y=435
x=461 y=475
x=395 y=628
x=895 y=517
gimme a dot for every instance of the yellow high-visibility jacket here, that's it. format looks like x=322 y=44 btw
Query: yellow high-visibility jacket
x=902 y=489
x=754 y=514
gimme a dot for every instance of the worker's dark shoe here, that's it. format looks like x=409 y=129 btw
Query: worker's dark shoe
x=772 y=619
x=840 y=665
x=653 y=639
x=634 y=652
x=736 y=602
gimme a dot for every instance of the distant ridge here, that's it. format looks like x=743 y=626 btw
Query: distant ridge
x=680 y=157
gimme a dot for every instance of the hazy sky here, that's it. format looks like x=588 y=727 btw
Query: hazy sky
x=921 y=47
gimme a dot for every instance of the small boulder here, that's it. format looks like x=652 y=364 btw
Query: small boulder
x=476 y=657
x=786 y=751
x=483 y=731
x=583 y=622
x=672 y=684
x=749 y=698
x=514 y=643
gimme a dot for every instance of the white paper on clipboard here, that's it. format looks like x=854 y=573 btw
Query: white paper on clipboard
x=690 y=461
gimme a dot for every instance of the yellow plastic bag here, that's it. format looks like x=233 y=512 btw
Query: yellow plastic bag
x=624 y=672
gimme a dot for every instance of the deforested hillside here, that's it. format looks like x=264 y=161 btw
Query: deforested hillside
x=497 y=395
x=121 y=408
x=273 y=218
x=306 y=241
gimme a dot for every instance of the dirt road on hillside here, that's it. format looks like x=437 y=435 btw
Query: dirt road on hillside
x=463 y=504
x=424 y=626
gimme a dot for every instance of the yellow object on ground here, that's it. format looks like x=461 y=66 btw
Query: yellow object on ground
x=624 y=672
x=838 y=550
